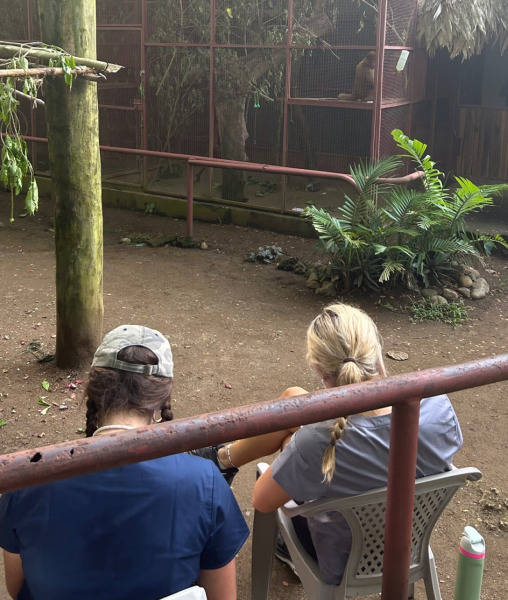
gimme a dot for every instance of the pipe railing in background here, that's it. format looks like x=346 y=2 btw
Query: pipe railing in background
x=220 y=163
x=402 y=392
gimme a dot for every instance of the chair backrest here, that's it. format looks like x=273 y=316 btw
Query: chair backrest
x=193 y=593
x=365 y=514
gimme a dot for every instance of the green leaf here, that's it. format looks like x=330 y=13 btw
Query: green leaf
x=42 y=401
x=2 y=423
x=32 y=197
x=45 y=410
x=45 y=385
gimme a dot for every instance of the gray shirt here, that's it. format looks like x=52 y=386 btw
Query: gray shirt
x=361 y=457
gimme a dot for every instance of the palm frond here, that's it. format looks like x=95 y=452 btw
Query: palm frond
x=415 y=150
x=391 y=266
x=366 y=175
x=496 y=189
x=403 y=205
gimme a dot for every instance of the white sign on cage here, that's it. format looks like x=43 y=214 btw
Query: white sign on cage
x=402 y=60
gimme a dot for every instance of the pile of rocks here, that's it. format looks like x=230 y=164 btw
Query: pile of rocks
x=469 y=284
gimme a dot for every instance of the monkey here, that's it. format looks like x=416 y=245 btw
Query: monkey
x=363 y=86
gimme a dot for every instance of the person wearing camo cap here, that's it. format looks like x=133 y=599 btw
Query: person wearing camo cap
x=141 y=531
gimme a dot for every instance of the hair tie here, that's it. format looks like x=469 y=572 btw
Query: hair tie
x=346 y=360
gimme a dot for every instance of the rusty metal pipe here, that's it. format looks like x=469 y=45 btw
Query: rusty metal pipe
x=68 y=459
x=400 y=499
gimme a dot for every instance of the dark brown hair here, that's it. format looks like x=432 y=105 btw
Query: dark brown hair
x=112 y=390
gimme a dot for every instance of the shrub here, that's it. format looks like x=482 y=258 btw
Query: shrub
x=389 y=232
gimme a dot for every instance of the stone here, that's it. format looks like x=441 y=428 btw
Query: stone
x=465 y=281
x=450 y=294
x=481 y=284
x=327 y=289
x=397 y=355
x=313 y=284
x=473 y=273
x=428 y=292
x=478 y=294
x=125 y=240
x=464 y=292
x=203 y=246
x=438 y=300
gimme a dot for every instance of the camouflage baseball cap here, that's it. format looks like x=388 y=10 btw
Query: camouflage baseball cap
x=135 y=335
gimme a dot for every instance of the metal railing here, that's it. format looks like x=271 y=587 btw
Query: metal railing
x=403 y=392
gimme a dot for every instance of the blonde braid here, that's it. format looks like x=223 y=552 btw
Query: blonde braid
x=328 y=465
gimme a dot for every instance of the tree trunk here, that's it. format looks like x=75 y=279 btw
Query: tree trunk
x=233 y=135
x=73 y=137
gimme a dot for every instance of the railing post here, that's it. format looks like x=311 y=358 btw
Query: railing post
x=190 y=199
x=400 y=499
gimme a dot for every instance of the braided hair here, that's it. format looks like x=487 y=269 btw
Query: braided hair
x=344 y=343
x=111 y=390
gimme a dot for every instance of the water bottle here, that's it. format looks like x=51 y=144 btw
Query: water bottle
x=468 y=584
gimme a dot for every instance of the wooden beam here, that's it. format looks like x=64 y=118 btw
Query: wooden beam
x=45 y=54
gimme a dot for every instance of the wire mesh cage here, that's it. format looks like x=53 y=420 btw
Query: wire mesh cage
x=291 y=83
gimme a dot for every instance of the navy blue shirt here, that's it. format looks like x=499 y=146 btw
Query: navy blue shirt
x=142 y=531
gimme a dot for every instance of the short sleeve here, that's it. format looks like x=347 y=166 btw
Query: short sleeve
x=8 y=539
x=228 y=529
x=297 y=469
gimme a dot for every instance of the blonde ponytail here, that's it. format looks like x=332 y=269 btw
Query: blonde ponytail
x=344 y=344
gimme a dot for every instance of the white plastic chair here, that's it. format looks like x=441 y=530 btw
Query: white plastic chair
x=365 y=514
x=193 y=593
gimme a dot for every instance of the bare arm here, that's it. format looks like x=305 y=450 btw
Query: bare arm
x=219 y=584
x=14 y=575
x=267 y=494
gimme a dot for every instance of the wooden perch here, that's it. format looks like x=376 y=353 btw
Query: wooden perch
x=44 y=72
x=45 y=54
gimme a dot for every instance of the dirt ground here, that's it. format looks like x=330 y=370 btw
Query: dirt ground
x=238 y=331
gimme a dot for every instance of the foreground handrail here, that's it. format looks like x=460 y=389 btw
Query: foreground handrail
x=76 y=457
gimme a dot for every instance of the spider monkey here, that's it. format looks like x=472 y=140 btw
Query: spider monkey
x=363 y=86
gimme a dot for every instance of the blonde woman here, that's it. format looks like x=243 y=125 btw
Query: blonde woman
x=343 y=457
x=350 y=455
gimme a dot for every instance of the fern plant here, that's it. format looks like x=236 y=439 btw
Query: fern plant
x=388 y=232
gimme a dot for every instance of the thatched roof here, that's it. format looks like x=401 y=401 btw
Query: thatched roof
x=464 y=27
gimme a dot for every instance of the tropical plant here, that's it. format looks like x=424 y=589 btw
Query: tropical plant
x=388 y=232
x=15 y=165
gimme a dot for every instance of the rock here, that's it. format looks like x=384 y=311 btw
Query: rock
x=465 y=281
x=327 y=289
x=465 y=292
x=480 y=289
x=478 y=294
x=438 y=300
x=125 y=240
x=473 y=273
x=313 y=282
x=203 y=246
x=490 y=271
x=428 y=292
x=481 y=284
x=450 y=294
x=397 y=355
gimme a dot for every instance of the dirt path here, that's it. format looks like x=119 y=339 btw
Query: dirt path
x=233 y=322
